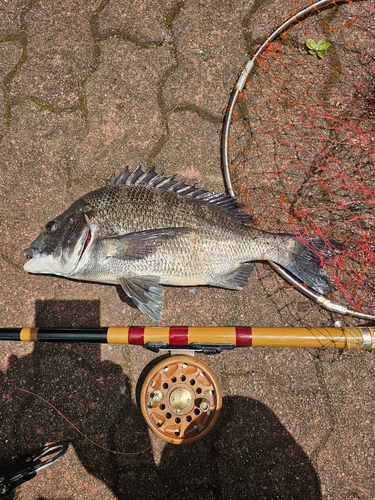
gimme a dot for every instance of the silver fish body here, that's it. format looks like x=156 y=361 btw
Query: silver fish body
x=143 y=230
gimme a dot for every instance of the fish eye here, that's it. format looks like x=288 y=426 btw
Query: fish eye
x=50 y=227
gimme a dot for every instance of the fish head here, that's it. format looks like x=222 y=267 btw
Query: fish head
x=61 y=243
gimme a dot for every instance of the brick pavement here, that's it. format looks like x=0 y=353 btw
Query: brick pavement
x=88 y=88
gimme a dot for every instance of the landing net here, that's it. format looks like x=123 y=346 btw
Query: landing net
x=299 y=139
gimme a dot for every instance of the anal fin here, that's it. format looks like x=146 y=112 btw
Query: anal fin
x=235 y=280
x=146 y=293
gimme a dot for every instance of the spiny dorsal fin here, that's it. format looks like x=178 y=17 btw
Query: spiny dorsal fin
x=153 y=179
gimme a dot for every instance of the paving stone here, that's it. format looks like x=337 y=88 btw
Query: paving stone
x=10 y=53
x=192 y=149
x=136 y=20
x=10 y=16
x=209 y=52
x=124 y=118
x=352 y=436
x=54 y=33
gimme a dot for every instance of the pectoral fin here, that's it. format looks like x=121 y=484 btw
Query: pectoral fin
x=134 y=246
x=146 y=293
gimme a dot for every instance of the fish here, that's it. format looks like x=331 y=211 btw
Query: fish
x=143 y=230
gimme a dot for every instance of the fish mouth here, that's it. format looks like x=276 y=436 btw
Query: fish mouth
x=31 y=252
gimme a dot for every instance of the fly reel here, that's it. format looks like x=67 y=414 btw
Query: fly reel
x=181 y=399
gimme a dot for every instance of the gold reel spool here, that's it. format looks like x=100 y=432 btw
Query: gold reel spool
x=181 y=399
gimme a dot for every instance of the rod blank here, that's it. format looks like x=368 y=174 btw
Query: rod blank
x=185 y=336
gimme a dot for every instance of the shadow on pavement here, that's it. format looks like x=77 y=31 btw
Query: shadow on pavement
x=248 y=455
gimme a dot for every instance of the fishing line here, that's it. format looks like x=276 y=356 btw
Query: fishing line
x=77 y=430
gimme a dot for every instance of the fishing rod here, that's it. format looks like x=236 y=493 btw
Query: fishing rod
x=206 y=339
x=181 y=397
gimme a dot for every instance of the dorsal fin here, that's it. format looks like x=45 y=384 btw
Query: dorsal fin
x=151 y=178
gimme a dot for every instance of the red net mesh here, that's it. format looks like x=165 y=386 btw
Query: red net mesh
x=302 y=143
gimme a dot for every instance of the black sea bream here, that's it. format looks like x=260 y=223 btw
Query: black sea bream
x=143 y=230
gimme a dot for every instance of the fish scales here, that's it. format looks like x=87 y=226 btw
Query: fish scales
x=218 y=235
x=214 y=241
x=143 y=230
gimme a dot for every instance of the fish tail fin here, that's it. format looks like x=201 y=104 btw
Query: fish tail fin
x=304 y=263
